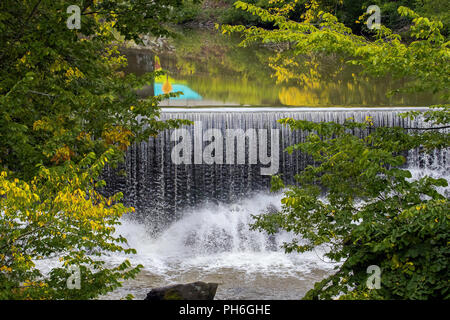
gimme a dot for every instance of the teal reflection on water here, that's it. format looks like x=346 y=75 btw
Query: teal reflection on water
x=188 y=93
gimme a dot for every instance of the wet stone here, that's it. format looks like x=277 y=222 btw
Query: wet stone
x=190 y=291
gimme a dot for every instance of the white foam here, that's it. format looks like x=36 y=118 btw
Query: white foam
x=214 y=237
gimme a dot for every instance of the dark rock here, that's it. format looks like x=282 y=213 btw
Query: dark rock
x=190 y=291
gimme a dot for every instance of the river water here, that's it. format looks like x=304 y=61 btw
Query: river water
x=192 y=220
x=213 y=243
x=212 y=70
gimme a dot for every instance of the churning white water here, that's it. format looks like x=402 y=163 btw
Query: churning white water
x=214 y=243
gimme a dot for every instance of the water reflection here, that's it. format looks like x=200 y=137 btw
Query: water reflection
x=165 y=85
x=212 y=70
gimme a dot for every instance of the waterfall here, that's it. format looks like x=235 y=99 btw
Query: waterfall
x=193 y=220
x=160 y=190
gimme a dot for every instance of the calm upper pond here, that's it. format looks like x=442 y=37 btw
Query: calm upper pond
x=212 y=70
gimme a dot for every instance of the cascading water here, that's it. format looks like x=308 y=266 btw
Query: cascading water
x=192 y=220
x=161 y=190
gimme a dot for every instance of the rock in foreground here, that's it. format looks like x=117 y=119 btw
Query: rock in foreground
x=190 y=291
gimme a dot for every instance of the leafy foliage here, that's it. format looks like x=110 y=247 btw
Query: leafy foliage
x=60 y=214
x=350 y=12
x=62 y=92
x=358 y=199
x=366 y=209
x=67 y=108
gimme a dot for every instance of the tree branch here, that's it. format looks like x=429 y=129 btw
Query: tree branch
x=432 y=128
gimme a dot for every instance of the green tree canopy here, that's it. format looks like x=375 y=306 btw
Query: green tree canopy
x=66 y=109
x=62 y=94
